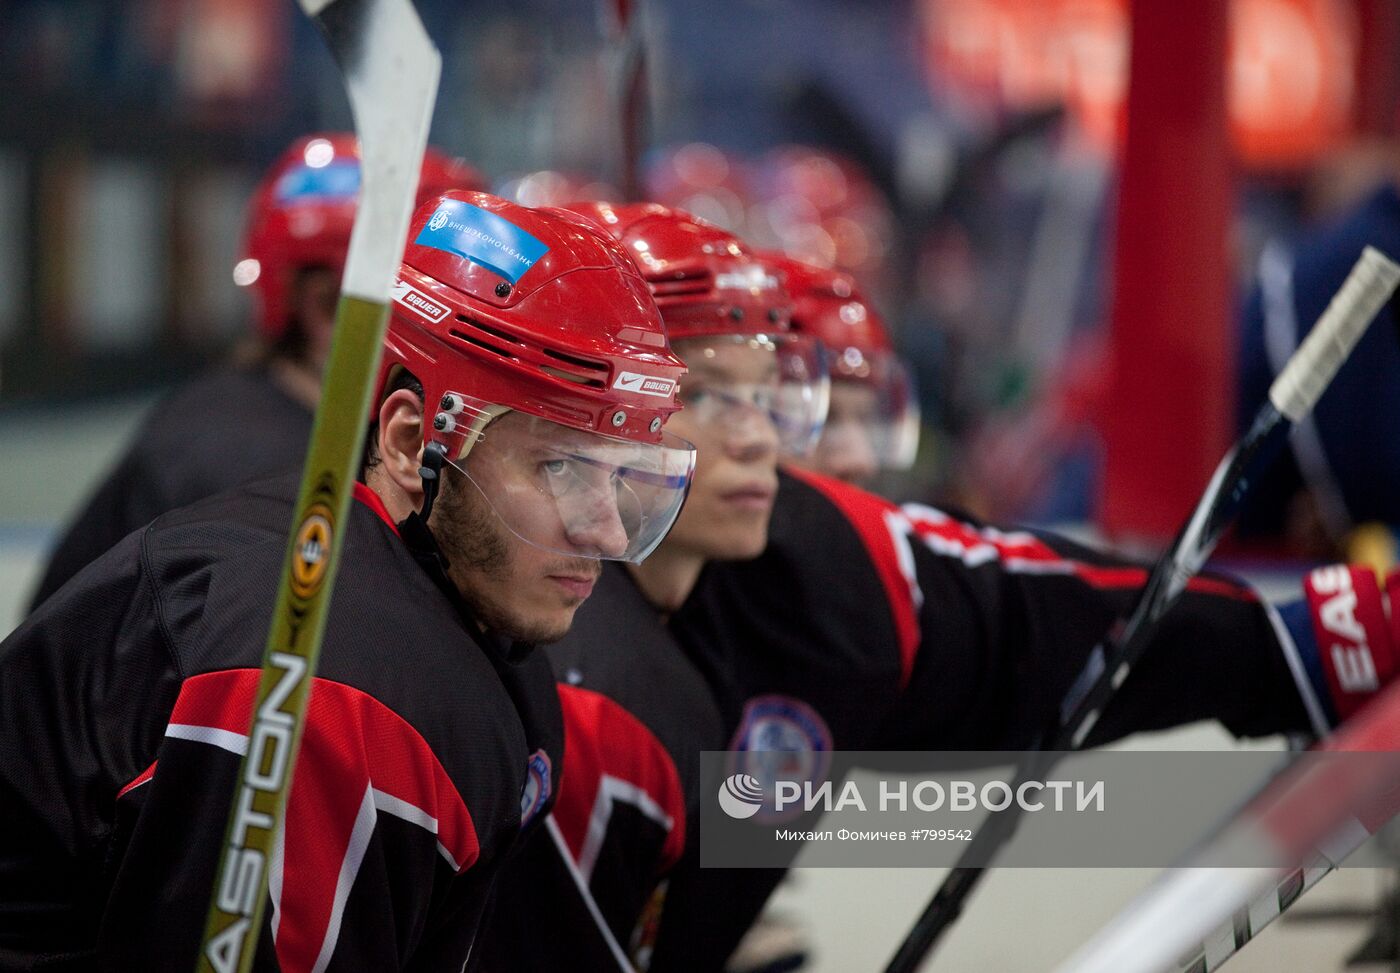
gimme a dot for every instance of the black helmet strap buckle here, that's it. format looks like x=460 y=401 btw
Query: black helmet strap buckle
x=434 y=455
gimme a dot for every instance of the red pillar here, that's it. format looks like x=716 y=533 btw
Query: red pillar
x=1377 y=71
x=1169 y=415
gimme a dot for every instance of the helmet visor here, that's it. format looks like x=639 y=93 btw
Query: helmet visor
x=736 y=381
x=874 y=410
x=568 y=490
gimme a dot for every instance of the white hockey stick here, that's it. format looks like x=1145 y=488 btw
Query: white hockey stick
x=1306 y=820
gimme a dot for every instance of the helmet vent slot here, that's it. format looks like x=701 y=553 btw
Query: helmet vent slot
x=690 y=282
x=596 y=366
x=482 y=344
x=559 y=373
x=494 y=332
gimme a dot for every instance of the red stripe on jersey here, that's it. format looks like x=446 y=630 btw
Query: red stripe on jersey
x=602 y=741
x=1020 y=552
x=138 y=780
x=876 y=520
x=371 y=500
x=352 y=742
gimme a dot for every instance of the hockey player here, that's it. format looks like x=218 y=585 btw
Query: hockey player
x=637 y=712
x=253 y=418
x=510 y=452
x=864 y=626
x=873 y=421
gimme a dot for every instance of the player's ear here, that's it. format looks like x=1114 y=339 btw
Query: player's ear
x=401 y=441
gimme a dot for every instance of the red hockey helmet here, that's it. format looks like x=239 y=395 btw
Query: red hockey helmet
x=828 y=305
x=442 y=173
x=701 y=179
x=706 y=281
x=709 y=284
x=874 y=416
x=501 y=309
x=302 y=213
x=821 y=207
x=554 y=187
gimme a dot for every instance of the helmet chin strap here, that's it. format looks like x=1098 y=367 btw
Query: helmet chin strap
x=434 y=455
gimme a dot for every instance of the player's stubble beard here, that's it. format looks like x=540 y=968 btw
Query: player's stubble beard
x=478 y=548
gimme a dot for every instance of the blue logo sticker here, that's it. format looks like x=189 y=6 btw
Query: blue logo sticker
x=338 y=180
x=483 y=238
x=537 y=786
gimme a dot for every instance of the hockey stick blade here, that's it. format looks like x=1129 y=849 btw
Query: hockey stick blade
x=1109 y=663
x=391 y=73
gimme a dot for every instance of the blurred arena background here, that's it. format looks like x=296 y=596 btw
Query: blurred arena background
x=972 y=162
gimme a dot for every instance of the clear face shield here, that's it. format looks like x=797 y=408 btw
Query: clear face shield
x=874 y=415
x=565 y=490
x=737 y=381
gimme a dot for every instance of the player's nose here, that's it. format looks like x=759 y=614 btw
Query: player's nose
x=595 y=527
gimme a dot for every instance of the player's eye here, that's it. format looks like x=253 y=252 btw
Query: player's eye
x=555 y=467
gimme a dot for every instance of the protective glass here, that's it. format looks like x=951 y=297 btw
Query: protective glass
x=567 y=490
x=736 y=381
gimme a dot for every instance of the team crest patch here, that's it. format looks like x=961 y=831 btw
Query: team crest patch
x=535 y=793
x=780 y=738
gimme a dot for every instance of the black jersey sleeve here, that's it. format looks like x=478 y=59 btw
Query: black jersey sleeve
x=125 y=703
x=960 y=635
x=1006 y=620
x=82 y=685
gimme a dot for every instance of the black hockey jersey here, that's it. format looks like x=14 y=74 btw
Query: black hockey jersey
x=636 y=716
x=221 y=430
x=124 y=707
x=866 y=626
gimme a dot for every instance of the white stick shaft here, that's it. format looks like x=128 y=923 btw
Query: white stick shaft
x=1313 y=365
x=1176 y=915
x=1317 y=807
